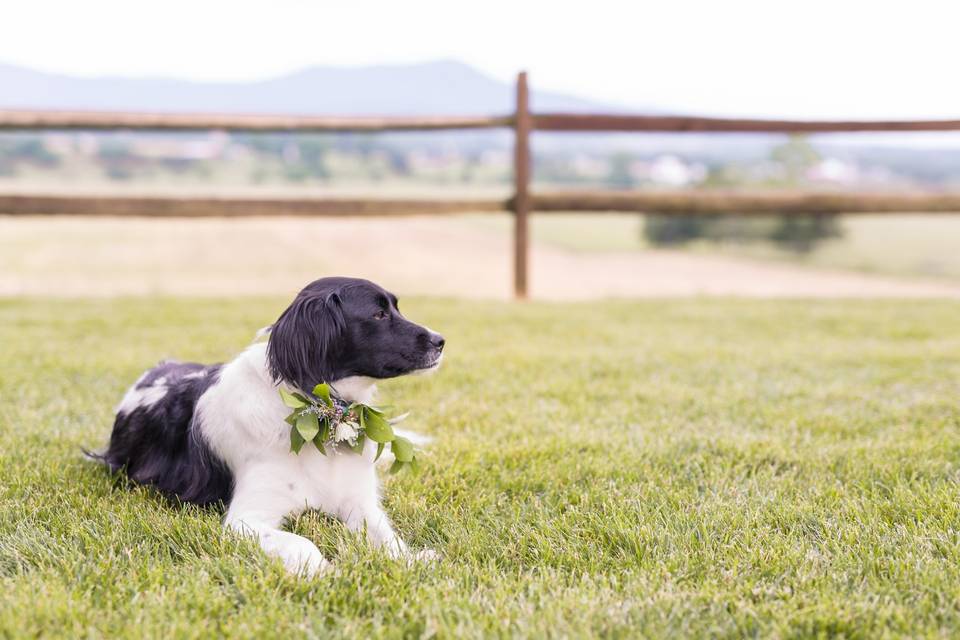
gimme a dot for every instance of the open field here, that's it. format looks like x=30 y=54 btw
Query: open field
x=658 y=468
x=917 y=245
x=572 y=258
x=909 y=245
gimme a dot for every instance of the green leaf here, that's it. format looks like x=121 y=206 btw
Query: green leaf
x=319 y=440
x=291 y=419
x=402 y=449
x=375 y=426
x=322 y=391
x=291 y=399
x=308 y=426
x=296 y=441
x=358 y=446
x=380 y=447
x=397 y=466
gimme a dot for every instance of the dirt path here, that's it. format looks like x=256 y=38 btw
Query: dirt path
x=453 y=257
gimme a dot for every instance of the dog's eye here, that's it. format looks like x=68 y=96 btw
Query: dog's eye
x=380 y=315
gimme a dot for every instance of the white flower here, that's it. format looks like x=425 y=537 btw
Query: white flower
x=346 y=431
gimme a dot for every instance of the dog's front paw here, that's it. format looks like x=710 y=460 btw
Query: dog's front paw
x=313 y=566
x=301 y=557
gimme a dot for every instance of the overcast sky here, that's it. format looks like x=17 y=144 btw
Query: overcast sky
x=792 y=59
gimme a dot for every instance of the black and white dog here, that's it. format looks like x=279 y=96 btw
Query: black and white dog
x=210 y=433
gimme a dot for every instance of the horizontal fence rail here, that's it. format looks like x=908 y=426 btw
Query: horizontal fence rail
x=693 y=124
x=235 y=206
x=523 y=123
x=746 y=202
x=104 y=120
x=698 y=203
x=108 y=120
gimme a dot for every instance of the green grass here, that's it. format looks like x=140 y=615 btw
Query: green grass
x=665 y=469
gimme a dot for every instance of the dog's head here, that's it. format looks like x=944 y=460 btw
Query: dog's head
x=341 y=327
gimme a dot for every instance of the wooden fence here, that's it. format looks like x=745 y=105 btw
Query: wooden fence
x=523 y=123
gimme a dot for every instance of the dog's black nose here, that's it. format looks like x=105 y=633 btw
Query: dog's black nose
x=437 y=340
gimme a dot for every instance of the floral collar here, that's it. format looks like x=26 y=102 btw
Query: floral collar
x=330 y=422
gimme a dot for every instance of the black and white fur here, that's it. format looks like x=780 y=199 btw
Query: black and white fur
x=216 y=433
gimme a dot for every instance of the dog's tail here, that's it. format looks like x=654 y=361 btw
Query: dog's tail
x=97 y=457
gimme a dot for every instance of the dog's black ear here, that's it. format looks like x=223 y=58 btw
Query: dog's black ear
x=303 y=345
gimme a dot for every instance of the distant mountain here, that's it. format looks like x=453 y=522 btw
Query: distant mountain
x=431 y=88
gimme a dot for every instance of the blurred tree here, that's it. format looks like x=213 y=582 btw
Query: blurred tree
x=26 y=148
x=663 y=230
x=802 y=234
x=117 y=160
x=313 y=153
x=793 y=159
x=620 y=175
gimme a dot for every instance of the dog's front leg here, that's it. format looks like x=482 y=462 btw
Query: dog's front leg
x=258 y=511
x=298 y=554
x=368 y=513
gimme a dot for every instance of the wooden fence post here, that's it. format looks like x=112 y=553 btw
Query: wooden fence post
x=521 y=181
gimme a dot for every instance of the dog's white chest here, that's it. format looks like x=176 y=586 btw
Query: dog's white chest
x=333 y=483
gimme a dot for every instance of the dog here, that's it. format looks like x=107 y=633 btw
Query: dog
x=208 y=434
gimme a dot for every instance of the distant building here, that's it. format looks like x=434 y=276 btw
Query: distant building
x=671 y=171
x=834 y=170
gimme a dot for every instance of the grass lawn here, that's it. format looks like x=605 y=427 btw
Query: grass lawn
x=663 y=469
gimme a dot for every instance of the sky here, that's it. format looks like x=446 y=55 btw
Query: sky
x=811 y=59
